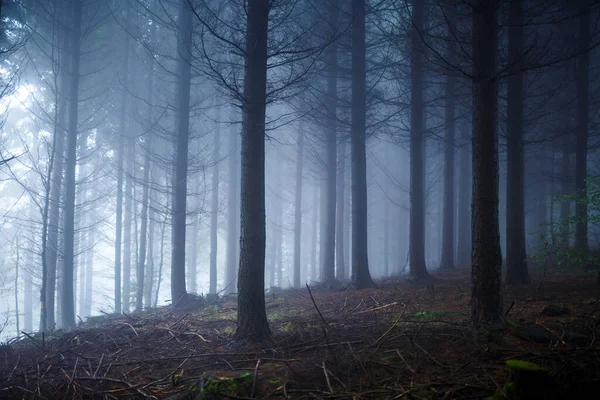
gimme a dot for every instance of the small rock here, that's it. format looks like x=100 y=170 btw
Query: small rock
x=555 y=310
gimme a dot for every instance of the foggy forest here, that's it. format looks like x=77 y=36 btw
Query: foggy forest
x=374 y=199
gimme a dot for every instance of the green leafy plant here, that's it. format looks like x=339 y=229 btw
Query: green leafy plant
x=552 y=250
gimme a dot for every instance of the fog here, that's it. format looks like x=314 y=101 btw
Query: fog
x=133 y=160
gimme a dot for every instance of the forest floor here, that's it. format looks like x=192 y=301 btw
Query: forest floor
x=396 y=341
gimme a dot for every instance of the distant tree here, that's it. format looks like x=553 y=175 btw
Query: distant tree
x=67 y=295
x=184 y=47
x=361 y=277
x=449 y=152
x=583 y=122
x=298 y=209
x=417 y=267
x=516 y=257
x=214 y=212
x=328 y=240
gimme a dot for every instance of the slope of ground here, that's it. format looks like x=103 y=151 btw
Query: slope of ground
x=397 y=341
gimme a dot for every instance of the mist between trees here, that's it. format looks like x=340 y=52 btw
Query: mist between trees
x=154 y=149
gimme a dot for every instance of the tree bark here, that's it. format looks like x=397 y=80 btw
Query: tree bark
x=252 y=321
x=581 y=145
x=127 y=221
x=314 y=235
x=328 y=240
x=120 y=175
x=340 y=255
x=214 y=213
x=298 y=210
x=233 y=199
x=51 y=246
x=184 y=48
x=67 y=298
x=361 y=277
x=565 y=205
x=141 y=264
x=516 y=257
x=89 y=268
x=417 y=267
x=463 y=251
x=486 y=300
x=447 y=261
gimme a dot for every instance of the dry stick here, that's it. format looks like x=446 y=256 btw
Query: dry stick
x=171 y=373
x=427 y=353
x=71 y=378
x=254 y=378
x=99 y=365
x=405 y=362
x=509 y=308
x=14 y=369
x=315 y=304
x=327 y=378
x=129 y=325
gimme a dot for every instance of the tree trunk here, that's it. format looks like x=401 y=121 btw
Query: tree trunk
x=184 y=47
x=67 y=297
x=417 y=267
x=141 y=265
x=565 y=205
x=447 y=261
x=340 y=255
x=361 y=278
x=17 y=261
x=50 y=248
x=148 y=285
x=233 y=198
x=581 y=146
x=386 y=234
x=314 y=237
x=89 y=268
x=252 y=321
x=486 y=300
x=516 y=257
x=28 y=291
x=214 y=213
x=127 y=221
x=120 y=174
x=328 y=240
x=298 y=210
x=464 y=205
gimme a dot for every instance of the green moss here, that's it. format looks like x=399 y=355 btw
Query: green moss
x=286 y=327
x=524 y=366
x=215 y=386
x=527 y=381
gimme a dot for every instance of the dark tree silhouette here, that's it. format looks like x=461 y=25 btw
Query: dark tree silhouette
x=252 y=321
x=361 y=277
x=486 y=259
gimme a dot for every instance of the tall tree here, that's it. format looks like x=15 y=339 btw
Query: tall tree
x=486 y=259
x=417 y=267
x=448 y=218
x=340 y=265
x=214 y=212
x=361 y=277
x=141 y=264
x=581 y=145
x=233 y=201
x=328 y=240
x=298 y=209
x=516 y=258
x=184 y=49
x=67 y=295
x=252 y=321
x=120 y=175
